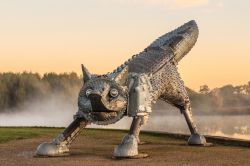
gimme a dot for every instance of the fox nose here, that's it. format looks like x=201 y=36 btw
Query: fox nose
x=96 y=102
x=94 y=96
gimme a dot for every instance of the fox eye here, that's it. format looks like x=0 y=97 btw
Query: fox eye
x=113 y=92
x=88 y=92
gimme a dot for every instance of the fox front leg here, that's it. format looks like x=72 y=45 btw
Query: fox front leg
x=60 y=145
x=128 y=148
x=129 y=145
x=139 y=108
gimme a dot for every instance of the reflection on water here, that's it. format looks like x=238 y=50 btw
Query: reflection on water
x=229 y=126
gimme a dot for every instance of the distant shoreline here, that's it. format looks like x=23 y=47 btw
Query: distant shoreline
x=228 y=111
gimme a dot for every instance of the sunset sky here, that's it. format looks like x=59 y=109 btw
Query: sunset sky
x=58 y=35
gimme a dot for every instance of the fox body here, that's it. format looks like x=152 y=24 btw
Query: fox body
x=131 y=89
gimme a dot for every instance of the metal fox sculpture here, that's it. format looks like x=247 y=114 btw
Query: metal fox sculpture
x=131 y=90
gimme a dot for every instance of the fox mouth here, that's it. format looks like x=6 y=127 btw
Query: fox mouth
x=98 y=104
x=102 y=110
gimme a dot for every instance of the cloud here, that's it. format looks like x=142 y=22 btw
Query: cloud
x=174 y=4
x=214 y=7
x=178 y=4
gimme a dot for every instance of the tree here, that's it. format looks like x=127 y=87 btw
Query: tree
x=204 y=89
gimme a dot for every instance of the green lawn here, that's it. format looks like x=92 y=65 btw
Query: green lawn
x=15 y=133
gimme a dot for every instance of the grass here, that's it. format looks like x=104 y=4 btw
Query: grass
x=15 y=133
x=114 y=136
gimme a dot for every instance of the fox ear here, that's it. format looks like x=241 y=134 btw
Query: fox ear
x=121 y=77
x=86 y=74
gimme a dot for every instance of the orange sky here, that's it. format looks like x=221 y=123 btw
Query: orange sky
x=57 y=36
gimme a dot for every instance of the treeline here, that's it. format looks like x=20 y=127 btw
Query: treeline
x=18 y=88
x=228 y=99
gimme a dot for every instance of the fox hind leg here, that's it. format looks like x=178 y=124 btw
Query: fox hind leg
x=195 y=138
x=175 y=93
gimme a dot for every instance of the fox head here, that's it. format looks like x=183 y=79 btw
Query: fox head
x=103 y=99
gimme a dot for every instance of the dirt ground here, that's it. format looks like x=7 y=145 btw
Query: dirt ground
x=96 y=149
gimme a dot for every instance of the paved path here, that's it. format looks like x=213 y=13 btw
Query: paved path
x=96 y=149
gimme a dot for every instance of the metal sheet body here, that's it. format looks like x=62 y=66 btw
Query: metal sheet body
x=159 y=60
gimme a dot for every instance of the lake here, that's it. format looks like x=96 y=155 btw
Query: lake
x=235 y=126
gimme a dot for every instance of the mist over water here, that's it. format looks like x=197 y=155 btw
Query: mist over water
x=56 y=111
